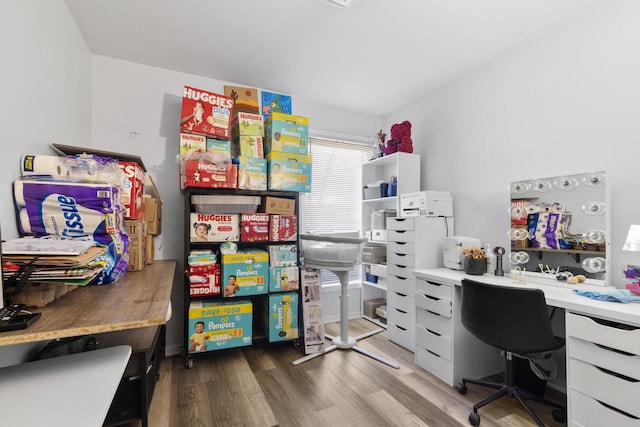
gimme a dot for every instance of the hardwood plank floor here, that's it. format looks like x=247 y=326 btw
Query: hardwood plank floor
x=259 y=386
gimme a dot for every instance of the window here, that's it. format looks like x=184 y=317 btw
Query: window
x=334 y=203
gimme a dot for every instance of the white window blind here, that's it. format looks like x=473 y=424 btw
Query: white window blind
x=334 y=203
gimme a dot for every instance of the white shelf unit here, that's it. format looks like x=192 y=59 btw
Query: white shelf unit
x=413 y=243
x=406 y=168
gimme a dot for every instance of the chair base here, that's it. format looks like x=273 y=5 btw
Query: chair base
x=511 y=391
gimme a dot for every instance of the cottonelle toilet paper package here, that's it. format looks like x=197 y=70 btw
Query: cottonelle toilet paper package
x=78 y=168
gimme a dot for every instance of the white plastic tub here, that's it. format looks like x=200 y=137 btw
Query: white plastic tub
x=340 y=249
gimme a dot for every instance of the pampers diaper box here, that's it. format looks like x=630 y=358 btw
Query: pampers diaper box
x=287 y=133
x=214 y=325
x=289 y=172
x=280 y=316
x=245 y=273
x=252 y=173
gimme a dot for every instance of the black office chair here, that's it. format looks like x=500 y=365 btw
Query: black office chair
x=514 y=320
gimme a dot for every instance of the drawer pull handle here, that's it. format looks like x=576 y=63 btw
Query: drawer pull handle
x=402 y=295
x=401 y=311
x=432 y=298
x=433 y=283
x=432 y=312
x=434 y=333
x=613 y=324
x=400 y=327
x=617 y=375
x=615 y=350
x=435 y=354
x=617 y=410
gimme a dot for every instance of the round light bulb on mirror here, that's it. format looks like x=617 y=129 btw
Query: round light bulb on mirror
x=594 y=236
x=593 y=180
x=519 y=257
x=594 y=208
x=518 y=211
x=540 y=186
x=519 y=187
x=565 y=183
x=594 y=265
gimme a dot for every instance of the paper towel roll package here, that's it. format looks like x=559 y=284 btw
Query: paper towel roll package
x=68 y=209
x=79 y=168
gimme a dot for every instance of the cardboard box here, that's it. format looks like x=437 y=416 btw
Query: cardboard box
x=150 y=252
x=137 y=232
x=286 y=133
x=245 y=273
x=312 y=310
x=283 y=228
x=280 y=316
x=279 y=205
x=284 y=279
x=206 y=113
x=369 y=306
x=248 y=146
x=152 y=207
x=214 y=227
x=254 y=227
x=252 y=173
x=219 y=152
x=289 y=172
x=192 y=146
x=247 y=124
x=210 y=175
x=220 y=324
x=133 y=195
x=283 y=255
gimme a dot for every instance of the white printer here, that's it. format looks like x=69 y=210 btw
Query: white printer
x=426 y=203
x=452 y=250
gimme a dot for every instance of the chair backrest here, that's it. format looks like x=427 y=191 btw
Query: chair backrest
x=509 y=318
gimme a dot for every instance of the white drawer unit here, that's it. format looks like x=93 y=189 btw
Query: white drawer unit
x=603 y=372
x=443 y=345
x=412 y=243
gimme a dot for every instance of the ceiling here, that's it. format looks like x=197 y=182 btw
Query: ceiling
x=372 y=57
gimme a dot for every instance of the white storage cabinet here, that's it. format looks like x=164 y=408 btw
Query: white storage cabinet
x=406 y=168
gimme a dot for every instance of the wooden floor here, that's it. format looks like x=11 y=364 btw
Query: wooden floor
x=259 y=386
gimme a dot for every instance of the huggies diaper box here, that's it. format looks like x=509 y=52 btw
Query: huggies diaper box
x=283 y=255
x=254 y=227
x=206 y=113
x=204 y=280
x=192 y=146
x=214 y=227
x=287 y=133
x=247 y=145
x=280 y=316
x=214 y=325
x=133 y=194
x=210 y=175
x=245 y=273
x=247 y=124
x=283 y=228
x=289 y=172
x=284 y=279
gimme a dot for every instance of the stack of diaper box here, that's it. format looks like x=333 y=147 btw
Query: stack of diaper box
x=287 y=152
x=205 y=149
x=247 y=133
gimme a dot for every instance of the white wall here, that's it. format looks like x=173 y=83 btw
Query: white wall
x=45 y=85
x=562 y=104
x=129 y=97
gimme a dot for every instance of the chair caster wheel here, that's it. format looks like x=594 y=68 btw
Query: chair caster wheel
x=474 y=419
x=559 y=415
x=462 y=388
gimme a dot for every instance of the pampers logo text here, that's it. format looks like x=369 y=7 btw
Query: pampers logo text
x=285 y=132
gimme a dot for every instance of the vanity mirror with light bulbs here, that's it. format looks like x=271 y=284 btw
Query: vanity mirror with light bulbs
x=560 y=224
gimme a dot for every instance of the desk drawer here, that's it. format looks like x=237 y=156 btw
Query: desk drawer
x=401 y=271
x=401 y=335
x=404 y=302
x=402 y=247
x=434 y=342
x=400 y=236
x=402 y=285
x=434 y=289
x=401 y=259
x=405 y=319
x=586 y=411
x=434 y=364
x=612 y=335
x=435 y=305
x=607 y=387
x=440 y=324
x=400 y=224
x=622 y=363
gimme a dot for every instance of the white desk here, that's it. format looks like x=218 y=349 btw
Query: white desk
x=602 y=359
x=66 y=391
